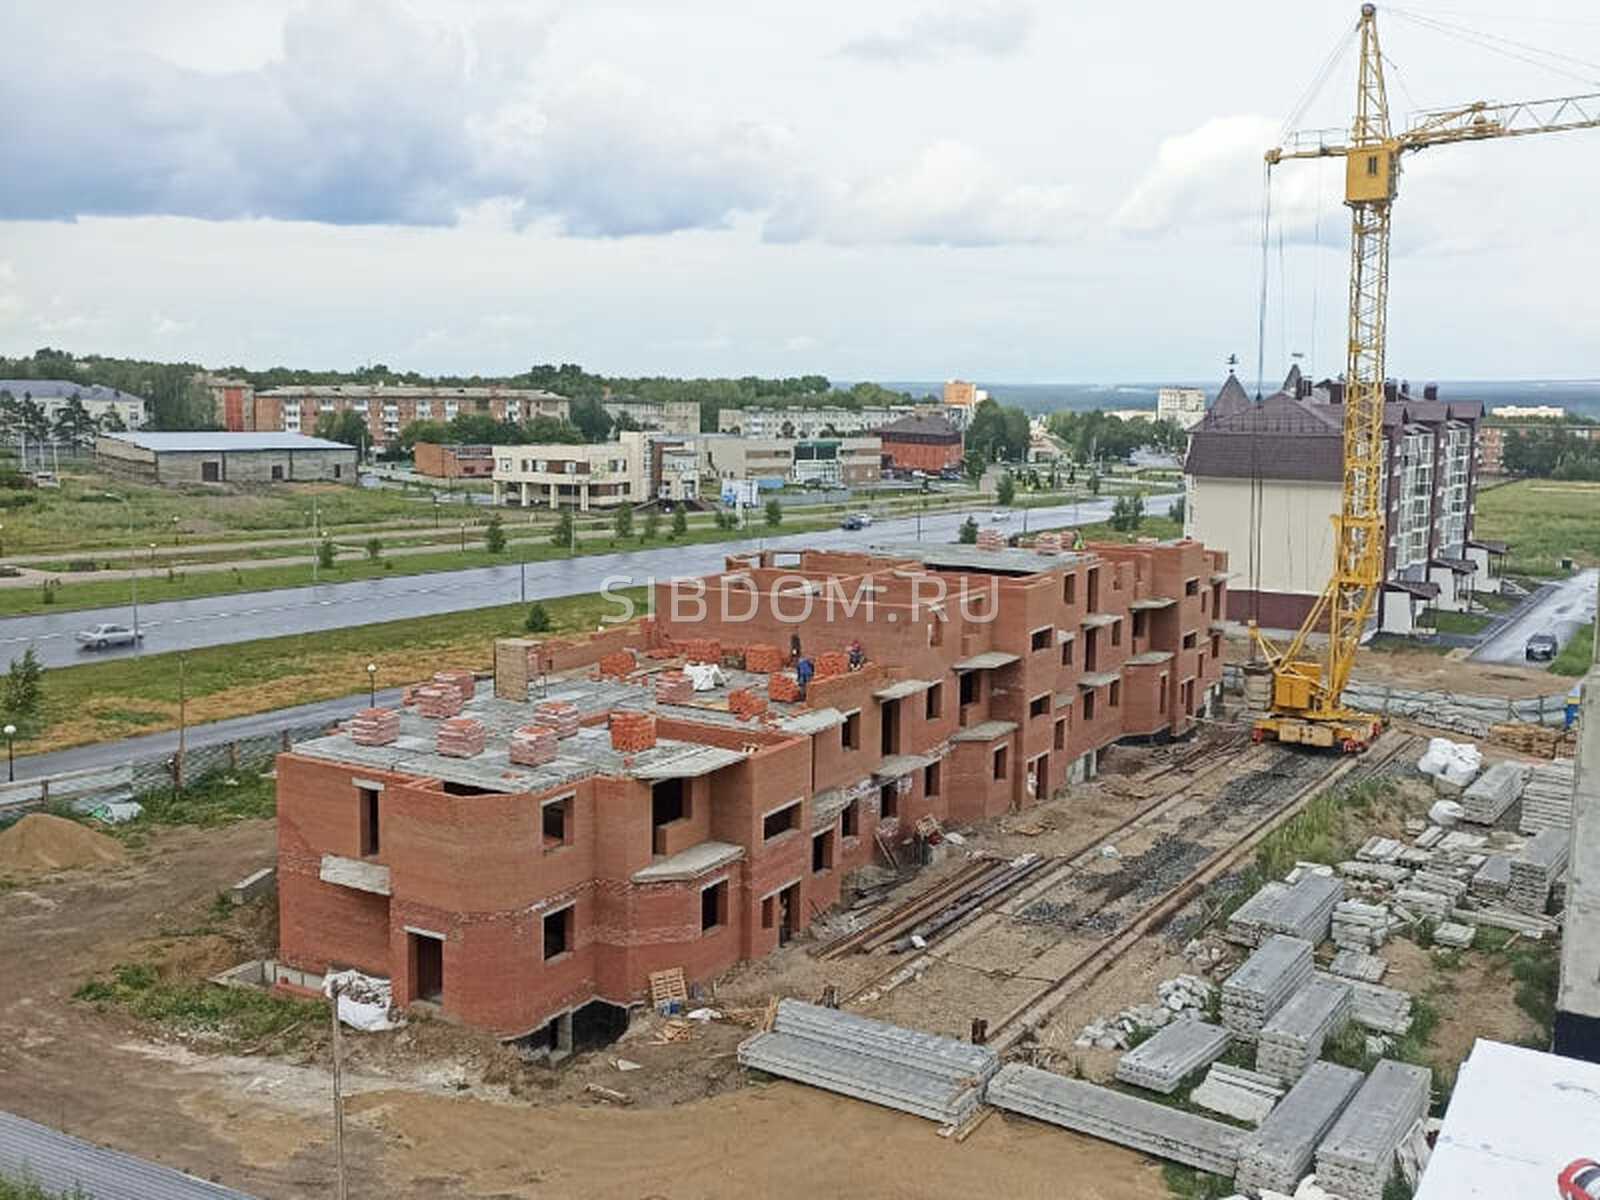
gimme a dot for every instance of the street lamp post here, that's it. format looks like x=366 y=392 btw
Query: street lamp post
x=372 y=685
x=463 y=535
x=11 y=757
x=177 y=533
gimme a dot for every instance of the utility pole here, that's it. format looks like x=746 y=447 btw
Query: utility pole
x=342 y=1192
x=183 y=719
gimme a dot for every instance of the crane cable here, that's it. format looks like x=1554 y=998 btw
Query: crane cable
x=1508 y=47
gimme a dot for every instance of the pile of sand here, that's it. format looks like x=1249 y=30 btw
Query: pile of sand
x=40 y=842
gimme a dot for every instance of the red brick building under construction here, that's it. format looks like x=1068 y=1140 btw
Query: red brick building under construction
x=524 y=860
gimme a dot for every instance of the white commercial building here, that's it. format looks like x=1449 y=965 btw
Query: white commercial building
x=1185 y=407
x=105 y=405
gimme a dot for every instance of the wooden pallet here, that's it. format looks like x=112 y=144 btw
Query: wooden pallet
x=666 y=987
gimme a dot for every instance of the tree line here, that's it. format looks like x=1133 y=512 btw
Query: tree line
x=1554 y=453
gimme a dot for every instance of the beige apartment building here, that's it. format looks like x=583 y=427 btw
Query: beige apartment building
x=846 y=462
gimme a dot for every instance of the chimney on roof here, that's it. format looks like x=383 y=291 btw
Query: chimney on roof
x=1430 y=391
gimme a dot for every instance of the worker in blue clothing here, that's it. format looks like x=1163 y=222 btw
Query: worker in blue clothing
x=1574 y=697
x=803 y=670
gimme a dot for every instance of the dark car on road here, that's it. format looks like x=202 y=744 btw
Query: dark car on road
x=1541 y=647
x=852 y=522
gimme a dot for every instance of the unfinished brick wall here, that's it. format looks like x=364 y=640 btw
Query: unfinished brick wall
x=831 y=663
x=762 y=658
x=618 y=664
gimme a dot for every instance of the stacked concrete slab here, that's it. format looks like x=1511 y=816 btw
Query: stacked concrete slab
x=1266 y=980
x=1533 y=871
x=1493 y=792
x=1359 y=926
x=1237 y=1093
x=1162 y=1062
x=1492 y=880
x=1278 y=1154
x=1547 y=797
x=934 y=1077
x=1245 y=926
x=1357 y=1157
x=1358 y=964
x=1144 y=1125
x=1379 y=1008
x=1302 y=909
x=1292 y=1038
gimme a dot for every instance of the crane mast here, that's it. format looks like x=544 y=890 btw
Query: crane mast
x=1306 y=702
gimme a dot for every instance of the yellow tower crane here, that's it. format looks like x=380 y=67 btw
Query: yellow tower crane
x=1306 y=704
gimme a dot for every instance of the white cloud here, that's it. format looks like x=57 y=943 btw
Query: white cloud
x=991 y=30
x=949 y=195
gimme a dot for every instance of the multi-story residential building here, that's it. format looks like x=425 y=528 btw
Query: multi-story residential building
x=524 y=866
x=848 y=462
x=1264 y=482
x=453 y=462
x=662 y=416
x=386 y=408
x=961 y=399
x=1186 y=407
x=1529 y=412
x=105 y=405
x=579 y=475
x=802 y=421
x=921 y=443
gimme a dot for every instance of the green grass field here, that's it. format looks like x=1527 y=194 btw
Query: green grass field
x=1576 y=656
x=1544 y=520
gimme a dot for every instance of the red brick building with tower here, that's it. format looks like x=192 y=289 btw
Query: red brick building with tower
x=919 y=443
x=523 y=860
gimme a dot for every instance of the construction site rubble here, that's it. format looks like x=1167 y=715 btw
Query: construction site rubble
x=1117 y=1117
x=934 y=1077
x=1451 y=765
x=1185 y=996
x=1358 y=1155
x=1277 y=969
x=1373 y=1006
x=1278 y=1154
x=1358 y=964
x=1163 y=1061
x=1360 y=926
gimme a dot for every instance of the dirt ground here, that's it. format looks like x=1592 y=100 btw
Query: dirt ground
x=434 y=1110
x=1424 y=670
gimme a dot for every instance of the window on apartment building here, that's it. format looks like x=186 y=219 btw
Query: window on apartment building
x=889 y=800
x=1039 y=705
x=1141 y=623
x=1116 y=632
x=1066 y=653
x=933 y=701
x=555 y=817
x=1088 y=704
x=930 y=780
x=558 y=933
x=850 y=731
x=1190 y=640
x=1205 y=607
x=1114 y=693
x=1091 y=649
x=1216 y=645
x=370 y=839
x=1093 y=575
x=714 y=906
x=1161 y=696
x=822 y=852
x=971 y=687
x=1060 y=742
x=1000 y=756
x=781 y=822
x=1069 y=588
x=1191 y=587
x=850 y=819
x=1039 y=639
x=889 y=727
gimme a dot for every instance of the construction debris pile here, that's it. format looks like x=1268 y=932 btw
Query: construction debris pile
x=1183 y=997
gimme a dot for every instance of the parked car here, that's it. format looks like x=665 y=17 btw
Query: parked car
x=852 y=522
x=864 y=517
x=98 y=637
x=1541 y=647
x=1580 y=1180
x=1000 y=514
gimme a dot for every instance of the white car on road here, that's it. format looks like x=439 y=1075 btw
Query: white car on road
x=1000 y=514
x=98 y=637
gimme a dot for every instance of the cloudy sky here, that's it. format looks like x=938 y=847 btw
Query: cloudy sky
x=910 y=189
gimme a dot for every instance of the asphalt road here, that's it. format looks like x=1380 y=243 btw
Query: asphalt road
x=1560 y=608
x=221 y=620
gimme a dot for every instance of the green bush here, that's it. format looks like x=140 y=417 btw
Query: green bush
x=538 y=619
x=494 y=537
x=374 y=548
x=325 y=553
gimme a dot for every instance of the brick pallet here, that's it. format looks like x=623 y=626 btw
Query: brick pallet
x=464 y=682
x=938 y=1078
x=674 y=687
x=437 y=701
x=1237 y=1093
x=1493 y=792
x=1164 y=1061
x=1357 y=1157
x=1534 y=870
x=374 y=727
x=532 y=745
x=558 y=715
x=1278 y=1154
x=460 y=737
x=1117 y=1117
x=1547 y=798
x=1358 y=926
x=1277 y=969
x=1293 y=1037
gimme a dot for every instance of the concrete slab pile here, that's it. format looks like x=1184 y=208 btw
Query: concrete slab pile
x=1533 y=871
x=1301 y=910
x=1373 y=1006
x=934 y=1077
x=1277 y=969
x=1117 y=1117
x=1237 y=1093
x=1278 y=1154
x=1419 y=902
x=1531 y=925
x=1445 y=881
x=1357 y=1157
x=1492 y=880
x=375 y=727
x=1493 y=792
x=1371 y=872
x=1358 y=926
x=1162 y=1062
x=1357 y=964
x=1547 y=798
x=1293 y=1037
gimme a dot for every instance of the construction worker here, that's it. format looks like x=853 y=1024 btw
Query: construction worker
x=803 y=670
x=858 y=656
x=1574 y=699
